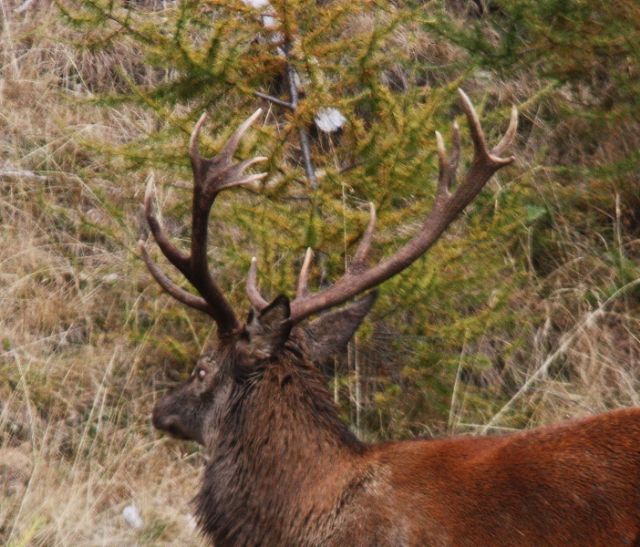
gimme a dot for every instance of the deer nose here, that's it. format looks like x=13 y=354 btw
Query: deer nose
x=170 y=424
x=162 y=417
x=158 y=418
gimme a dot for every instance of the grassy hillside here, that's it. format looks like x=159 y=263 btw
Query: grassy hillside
x=528 y=313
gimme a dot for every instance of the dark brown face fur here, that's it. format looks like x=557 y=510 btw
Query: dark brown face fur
x=193 y=409
x=183 y=411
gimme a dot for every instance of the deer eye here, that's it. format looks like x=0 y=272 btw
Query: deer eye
x=201 y=373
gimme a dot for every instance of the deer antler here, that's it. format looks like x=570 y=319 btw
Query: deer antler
x=449 y=203
x=211 y=176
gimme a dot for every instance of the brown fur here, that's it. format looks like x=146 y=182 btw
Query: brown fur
x=284 y=470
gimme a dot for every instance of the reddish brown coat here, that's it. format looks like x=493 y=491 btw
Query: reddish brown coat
x=577 y=483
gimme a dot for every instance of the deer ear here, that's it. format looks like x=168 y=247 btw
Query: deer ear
x=269 y=329
x=330 y=333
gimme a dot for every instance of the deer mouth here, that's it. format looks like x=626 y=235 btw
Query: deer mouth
x=172 y=426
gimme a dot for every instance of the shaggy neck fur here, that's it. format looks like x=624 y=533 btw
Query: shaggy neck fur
x=282 y=467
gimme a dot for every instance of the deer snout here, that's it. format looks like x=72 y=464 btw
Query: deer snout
x=159 y=418
x=169 y=423
x=171 y=415
x=165 y=420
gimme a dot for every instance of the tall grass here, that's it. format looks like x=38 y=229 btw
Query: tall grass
x=76 y=383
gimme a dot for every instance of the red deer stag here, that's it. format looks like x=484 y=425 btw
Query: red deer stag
x=284 y=470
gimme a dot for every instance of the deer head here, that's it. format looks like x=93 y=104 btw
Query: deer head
x=273 y=342
x=194 y=409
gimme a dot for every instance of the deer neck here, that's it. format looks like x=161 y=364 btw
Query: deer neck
x=283 y=463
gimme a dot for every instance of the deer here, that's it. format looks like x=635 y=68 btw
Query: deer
x=282 y=468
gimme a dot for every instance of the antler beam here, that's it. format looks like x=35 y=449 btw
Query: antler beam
x=211 y=176
x=450 y=200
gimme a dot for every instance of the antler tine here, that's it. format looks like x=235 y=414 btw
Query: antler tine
x=475 y=128
x=448 y=165
x=256 y=299
x=218 y=173
x=234 y=174
x=507 y=140
x=446 y=208
x=362 y=252
x=173 y=254
x=229 y=149
x=194 y=146
x=485 y=163
x=303 y=278
x=477 y=134
x=170 y=287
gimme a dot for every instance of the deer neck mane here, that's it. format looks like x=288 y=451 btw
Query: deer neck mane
x=282 y=461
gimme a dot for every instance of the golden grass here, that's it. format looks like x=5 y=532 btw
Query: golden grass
x=76 y=443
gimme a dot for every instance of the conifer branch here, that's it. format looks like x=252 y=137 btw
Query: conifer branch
x=292 y=77
x=274 y=100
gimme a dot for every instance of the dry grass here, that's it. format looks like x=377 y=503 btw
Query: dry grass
x=83 y=334
x=76 y=445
